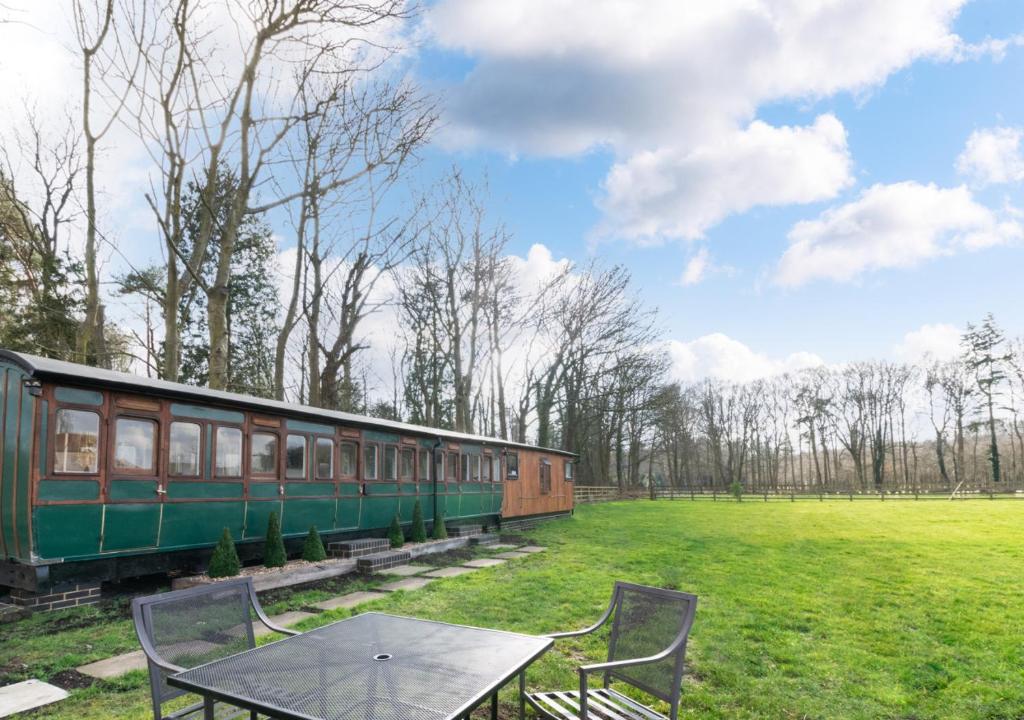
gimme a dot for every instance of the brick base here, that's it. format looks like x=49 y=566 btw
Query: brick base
x=63 y=596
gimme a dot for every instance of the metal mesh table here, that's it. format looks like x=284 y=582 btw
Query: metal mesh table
x=369 y=667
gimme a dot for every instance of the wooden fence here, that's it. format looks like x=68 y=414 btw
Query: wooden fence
x=583 y=494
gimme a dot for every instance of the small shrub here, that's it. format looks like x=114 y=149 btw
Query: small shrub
x=224 y=562
x=419 y=528
x=395 y=534
x=313 y=549
x=736 y=490
x=440 y=531
x=273 y=551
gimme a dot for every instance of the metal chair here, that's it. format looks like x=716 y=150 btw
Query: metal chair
x=186 y=628
x=646 y=649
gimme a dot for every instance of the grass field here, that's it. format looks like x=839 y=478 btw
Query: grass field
x=807 y=610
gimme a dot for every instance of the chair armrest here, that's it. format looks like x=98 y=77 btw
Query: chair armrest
x=277 y=628
x=587 y=630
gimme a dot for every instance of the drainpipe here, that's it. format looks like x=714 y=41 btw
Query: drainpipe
x=433 y=471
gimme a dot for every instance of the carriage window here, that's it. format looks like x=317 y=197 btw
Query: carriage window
x=496 y=471
x=439 y=467
x=263 y=453
x=370 y=462
x=229 y=452
x=453 y=467
x=485 y=467
x=295 y=457
x=424 y=464
x=390 y=462
x=348 y=459
x=568 y=471
x=512 y=466
x=76 y=442
x=465 y=467
x=134 y=445
x=185 y=449
x=407 y=470
x=545 y=477
x=324 y=458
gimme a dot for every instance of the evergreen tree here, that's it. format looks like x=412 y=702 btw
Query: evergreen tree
x=395 y=535
x=224 y=562
x=253 y=301
x=419 y=528
x=440 y=531
x=273 y=551
x=986 y=356
x=313 y=549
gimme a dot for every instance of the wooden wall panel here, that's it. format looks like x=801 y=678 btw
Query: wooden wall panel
x=524 y=497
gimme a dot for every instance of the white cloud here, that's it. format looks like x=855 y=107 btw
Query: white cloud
x=992 y=156
x=695 y=269
x=938 y=341
x=890 y=226
x=671 y=192
x=671 y=87
x=720 y=356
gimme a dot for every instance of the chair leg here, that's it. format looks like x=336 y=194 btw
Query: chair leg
x=522 y=695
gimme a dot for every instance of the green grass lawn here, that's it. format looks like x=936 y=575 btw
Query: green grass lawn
x=807 y=609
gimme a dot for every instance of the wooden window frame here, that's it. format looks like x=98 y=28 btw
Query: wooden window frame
x=202 y=449
x=401 y=453
x=388 y=447
x=376 y=462
x=508 y=454
x=334 y=458
x=276 y=473
x=420 y=465
x=214 y=475
x=101 y=441
x=154 y=472
x=305 y=457
x=355 y=472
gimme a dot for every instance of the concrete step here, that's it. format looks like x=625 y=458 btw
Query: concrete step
x=464 y=530
x=375 y=562
x=349 y=601
x=357 y=548
x=485 y=539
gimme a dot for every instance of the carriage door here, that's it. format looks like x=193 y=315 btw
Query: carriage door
x=134 y=497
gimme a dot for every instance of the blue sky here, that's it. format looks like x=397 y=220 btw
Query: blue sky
x=848 y=172
x=911 y=125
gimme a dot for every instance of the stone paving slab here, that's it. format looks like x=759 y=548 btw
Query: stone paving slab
x=292 y=617
x=512 y=555
x=406 y=570
x=409 y=583
x=348 y=601
x=27 y=695
x=115 y=666
x=532 y=549
x=483 y=563
x=501 y=546
x=449 y=572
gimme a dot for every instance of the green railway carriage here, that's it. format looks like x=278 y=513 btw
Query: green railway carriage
x=105 y=475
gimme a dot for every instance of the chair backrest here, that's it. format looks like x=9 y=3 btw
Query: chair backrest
x=191 y=627
x=646 y=621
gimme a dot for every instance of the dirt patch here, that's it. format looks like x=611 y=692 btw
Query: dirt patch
x=456 y=556
x=71 y=680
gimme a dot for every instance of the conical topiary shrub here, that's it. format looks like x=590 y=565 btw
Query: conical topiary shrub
x=395 y=533
x=440 y=531
x=419 y=528
x=313 y=549
x=224 y=562
x=273 y=551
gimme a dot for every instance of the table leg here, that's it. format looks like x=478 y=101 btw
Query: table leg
x=522 y=695
x=208 y=708
x=494 y=706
